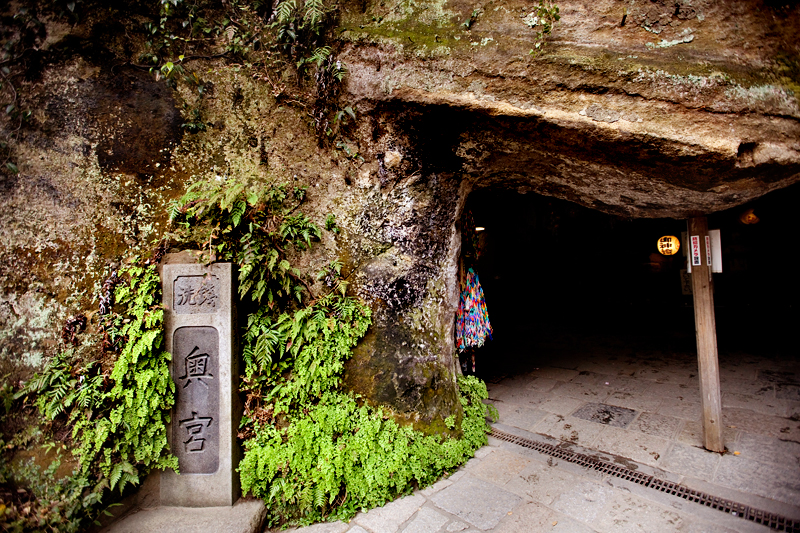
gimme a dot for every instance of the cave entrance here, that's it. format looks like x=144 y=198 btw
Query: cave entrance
x=551 y=269
x=586 y=311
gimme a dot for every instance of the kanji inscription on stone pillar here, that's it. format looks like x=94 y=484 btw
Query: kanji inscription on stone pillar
x=195 y=426
x=200 y=321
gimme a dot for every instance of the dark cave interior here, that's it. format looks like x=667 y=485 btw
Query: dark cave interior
x=557 y=274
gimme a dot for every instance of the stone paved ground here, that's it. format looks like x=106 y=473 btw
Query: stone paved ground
x=507 y=488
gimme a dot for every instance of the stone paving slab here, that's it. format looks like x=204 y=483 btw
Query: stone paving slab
x=427 y=520
x=758 y=405
x=326 y=527
x=628 y=513
x=692 y=434
x=559 y=405
x=787 y=391
x=541 y=383
x=500 y=467
x=640 y=447
x=759 y=424
x=519 y=396
x=779 y=376
x=767 y=450
x=390 y=516
x=690 y=461
x=523 y=417
x=533 y=517
x=558 y=374
x=582 y=391
x=584 y=501
x=477 y=502
x=570 y=429
x=749 y=387
x=588 y=378
x=542 y=482
x=759 y=478
x=638 y=401
x=700 y=518
x=657 y=425
x=681 y=407
x=243 y=517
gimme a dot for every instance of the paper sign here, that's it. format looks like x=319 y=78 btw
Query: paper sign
x=716 y=251
x=696 y=259
x=708 y=250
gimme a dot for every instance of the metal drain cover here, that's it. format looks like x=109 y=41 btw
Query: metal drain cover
x=610 y=415
x=772 y=520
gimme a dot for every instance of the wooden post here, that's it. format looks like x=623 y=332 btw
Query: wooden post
x=706 y=329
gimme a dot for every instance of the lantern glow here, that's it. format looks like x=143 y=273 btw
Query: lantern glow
x=668 y=245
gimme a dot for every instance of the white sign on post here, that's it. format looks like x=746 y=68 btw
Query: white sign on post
x=716 y=251
x=697 y=260
x=708 y=250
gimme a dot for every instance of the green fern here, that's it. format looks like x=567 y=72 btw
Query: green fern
x=315 y=11
x=285 y=11
x=131 y=430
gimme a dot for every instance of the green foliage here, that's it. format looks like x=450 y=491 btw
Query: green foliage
x=349 y=152
x=194 y=123
x=294 y=359
x=47 y=503
x=312 y=451
x=472 y=19
x=6 y=397
x=253 y=228
x=129 y=435
x=337 y=457
x=330 y=223
x=300 y=28
x=63 y=387
x=542 y=20
x=118 y=419
x=329 y=119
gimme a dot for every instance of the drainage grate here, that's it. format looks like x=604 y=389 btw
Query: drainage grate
x=774 y=521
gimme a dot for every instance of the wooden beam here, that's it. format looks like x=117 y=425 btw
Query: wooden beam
x=706 y=329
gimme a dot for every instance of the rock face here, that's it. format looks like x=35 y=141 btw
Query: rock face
x=651 y=109
x=640 y=109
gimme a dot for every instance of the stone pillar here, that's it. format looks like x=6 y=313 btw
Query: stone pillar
x=200 y=329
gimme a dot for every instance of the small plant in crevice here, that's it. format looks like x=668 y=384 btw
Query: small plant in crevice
x=329 y=119
x=194 y=122
x=351 y=154
x=472 y=19
x=542 y=19
x=254 y=227
x=330 y=223
x=300 y=27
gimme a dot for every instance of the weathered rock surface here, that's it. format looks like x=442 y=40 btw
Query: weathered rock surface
x=642 y=109
x=676 y=109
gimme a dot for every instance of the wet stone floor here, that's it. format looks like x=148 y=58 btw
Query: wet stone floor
x=633 y=405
